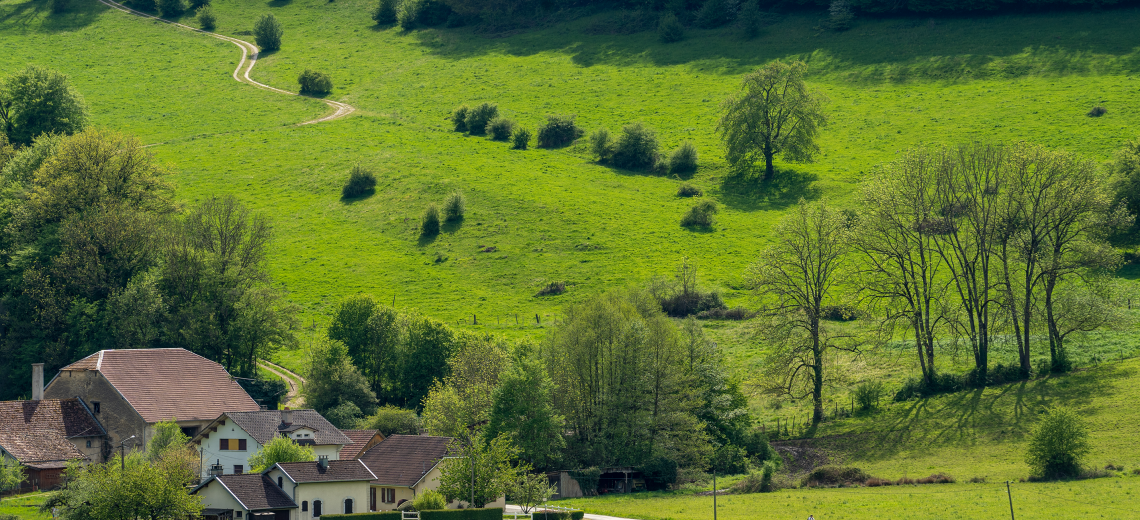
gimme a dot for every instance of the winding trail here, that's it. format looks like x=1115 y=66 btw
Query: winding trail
x=249 y=53
x=293 y=397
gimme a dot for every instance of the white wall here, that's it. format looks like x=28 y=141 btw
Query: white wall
x=211 y=454
x=215 y=495
x=331 y=494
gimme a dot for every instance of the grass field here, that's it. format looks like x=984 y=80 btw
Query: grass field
x=24 y=506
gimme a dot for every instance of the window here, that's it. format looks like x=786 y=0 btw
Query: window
x=231 y=444
x=95 y=405
x=348 y=506
x=239 y=514
x=371 y=499
x=88 y=444
x=304 y=505
x=388 y=495
x=280 y=482
x=190 y=431
x=239 y=469
x=316 y=508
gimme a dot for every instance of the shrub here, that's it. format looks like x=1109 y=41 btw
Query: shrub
x=552 y=289
x=939 y=384
x=478 y=117
x=688 y=190
x=267 y=32
x=407 y=13
x=500 y=129
x=759 y=481
x=826 y=476
x=669 y=29
x=839 y=15
x=171 y=7
x=459 y=118
x=206 y=18
x=977 y=480
x=839 y=313
x=636 y=147
x=392 y=420
x=683 y=159
x=520 y=139
x=385 y=12
x=429 y=224
x=659 y=473
x=360 y=182
x=937 y=478
x=429 y=500
x=455 y=207
x=1097 y=111
x=558 y=131
x=700 y=215
x=601 y=144
x=375 y=515
x=198 y=4
x=545 y=514
x=867 y=395
x=721 y=313
x=315 y=83
x=432 y=13
x=750 y=20
x=1058 y=444
x=729 y=460
x=713 y=14
x=143 y=5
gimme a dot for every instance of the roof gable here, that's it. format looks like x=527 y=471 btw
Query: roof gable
x=402 y=460
x=254 y=491
x=361 y=441
x=38 y=431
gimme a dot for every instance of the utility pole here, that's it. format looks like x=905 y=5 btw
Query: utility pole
x=1010 y=495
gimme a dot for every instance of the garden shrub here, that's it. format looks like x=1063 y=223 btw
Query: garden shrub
x=1058 y=444
x=729 y=459
x=455 y=207
x=206 y=18
x=828 y=476
x=601 y=144
x=500 y=129
x=375 y=515
x=491 y=513
x=1097 y=111
x=867 y=395
x=552 y=289
x=636 y=148
x=198 y=4
x=750 y=20
x=315 y=83
x=683 y=159
x=429 y=224
x=478 y=117
x=267 y=33
x=713 y=14
x=669 y=29
x=385 y=12
x=688 y=190
x=520 y=139
x=700 y=215
x=360 y=182
x=171 y=8
x=558 y=131
x=429 y=500
x=459 y=118
x=659 y=473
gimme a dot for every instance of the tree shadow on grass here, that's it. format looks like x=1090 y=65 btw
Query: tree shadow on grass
x=278 y=3
x=426 y=239
x=747 y=191
x=348 y=201
x=25 y=15
x=451 y=226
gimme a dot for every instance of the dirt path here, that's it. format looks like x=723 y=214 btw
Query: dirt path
x=293 y=398
x=249 y=53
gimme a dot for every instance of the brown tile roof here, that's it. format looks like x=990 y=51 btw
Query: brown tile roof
x=254 y=490
x=166 y=383
x=337 y=471
x=38 y=431
x=264 y=425
x=360 y=439
x=402 y=460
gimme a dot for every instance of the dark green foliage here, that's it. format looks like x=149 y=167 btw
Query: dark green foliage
x=839 y=15
x=683 y=159
x=500 y=129
x=669 y=29
x=729 y=460
x=315 y=83
x=1126 y=173
x=171 y=8
x=385 y=12
x=688 y=190
x=558 y=131
x=587 y=480
x=659 y=473
x=361 y=181
x=335 y=388
x=478 y=117
x=455 y=207
x=143 y=5
x=759 y=481
x=429 y=223
x=206 y=18
x=1097 y=111
x=602 y=144
x=491 y=513
x=375 y=515
x=60 y=6
x=198 y=4
x=524 y=408
x=36 y=100
x=1058 y=445
x=636 y=147
x=713 y=14
x=940 y=383
x=393 y=420
x=543 y=514
x=267 y=32
x=408 y=13
x=867 y=395
x=552 y=289
x=700 y=215
x=750 y=20
x=459 y=118
x=432 y=13
x=265 y=391
x=520 y=139
x=831 y=476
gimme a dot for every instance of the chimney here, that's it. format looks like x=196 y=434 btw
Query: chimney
x=37 y=381
x=287 y=416
x=323 y=462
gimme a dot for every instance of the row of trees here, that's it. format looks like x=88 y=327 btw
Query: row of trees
x=973 y=244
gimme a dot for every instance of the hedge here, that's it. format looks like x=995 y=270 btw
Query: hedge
x=492 y=513
x=557 y=515
x=380 y=515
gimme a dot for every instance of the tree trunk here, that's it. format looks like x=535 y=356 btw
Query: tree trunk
x=817 y=380
x=769 y=169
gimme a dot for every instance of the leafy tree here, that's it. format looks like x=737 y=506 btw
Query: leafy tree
x=773 y=114
x=207 y=18
x=333 y=381
x=143 y=489
x=464 y=398
x=167 y=436
x=491 y=462
x=429 y=223
x=797 y=275
x=636 y=147
x=426 y=346
x=1058 y=444
x=385 y=12
x=530 y=490
x=669 y=29
x=392 y=420
x=1126 y=179
x=267 y=32
x=11 y=474
x=523 y=407
x=429 y=500
x=280 y=449
x=171 y=8
x=38 y=100
x=371 y=332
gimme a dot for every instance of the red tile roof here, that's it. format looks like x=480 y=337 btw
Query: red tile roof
x=402 y=460
x=166 y=383
x=360 y=439
x=38 y=431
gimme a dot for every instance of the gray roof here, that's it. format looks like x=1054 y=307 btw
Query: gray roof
x=336 y=471
x=402 y=460
x=254 y=490
x=265 y=425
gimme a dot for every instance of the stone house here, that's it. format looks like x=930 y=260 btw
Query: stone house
x=405 y=466
x=227 y=442
x=325 y=486
x=130 y=390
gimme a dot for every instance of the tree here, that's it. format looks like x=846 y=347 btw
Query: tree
x=465 y=396
x=1126 y=179
x=11 y=474
x=141 y=489
x=524 y=409
x=531 y=489
x=38 y=100
x=279 y=449
x=1058 y=444
x=797 y=276
x=426 y=345
x=773 y=114
x=392 y=420
x=167 y=436
x=267 y=32
x=491 y=462
x=372 y=334
x=333 y=381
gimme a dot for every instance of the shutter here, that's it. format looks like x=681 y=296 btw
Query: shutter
x=223 y=444
x=241 y=444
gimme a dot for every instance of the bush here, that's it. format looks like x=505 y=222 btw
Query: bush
x=478 y=117
x=1097 y=111
x=432 y=13
x=455 y=207
x=267 y=33
x=1058 y=444
x=429 y=500
x=839 y=313
x=545 y=514
x=360 y=182
x=492 y=513
x=143 y=5
x=757 y=481
x=729 y=460
x=669 y=29
x=407 y=13
x=206 y=18
x=601 y=144
x=392 y=420
x=385 y=12
x=198 y=4
x=520 y=139
x=376 y=515
x=688 y=190
x=659 y=473
x=171 y=8
x=636 y=148
x=459 y=118
x=315 y=83
x=683 y=159
x=937 y=478
x=558 y=131
x=867 y=395
x=700 y=215
x=713 y=14
x=939 y=384
x=750 y=20
x=429 y=224
x=720 y=313
x=552 y=289
x=839 y=15
x=500 y=129
x=827 y=476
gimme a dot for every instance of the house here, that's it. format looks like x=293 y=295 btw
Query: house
x=44 y=434
x=129 y=391
x=405 y=466
x=325 y=486
x=252 y=496
x=232 y=437
x=362 y=441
